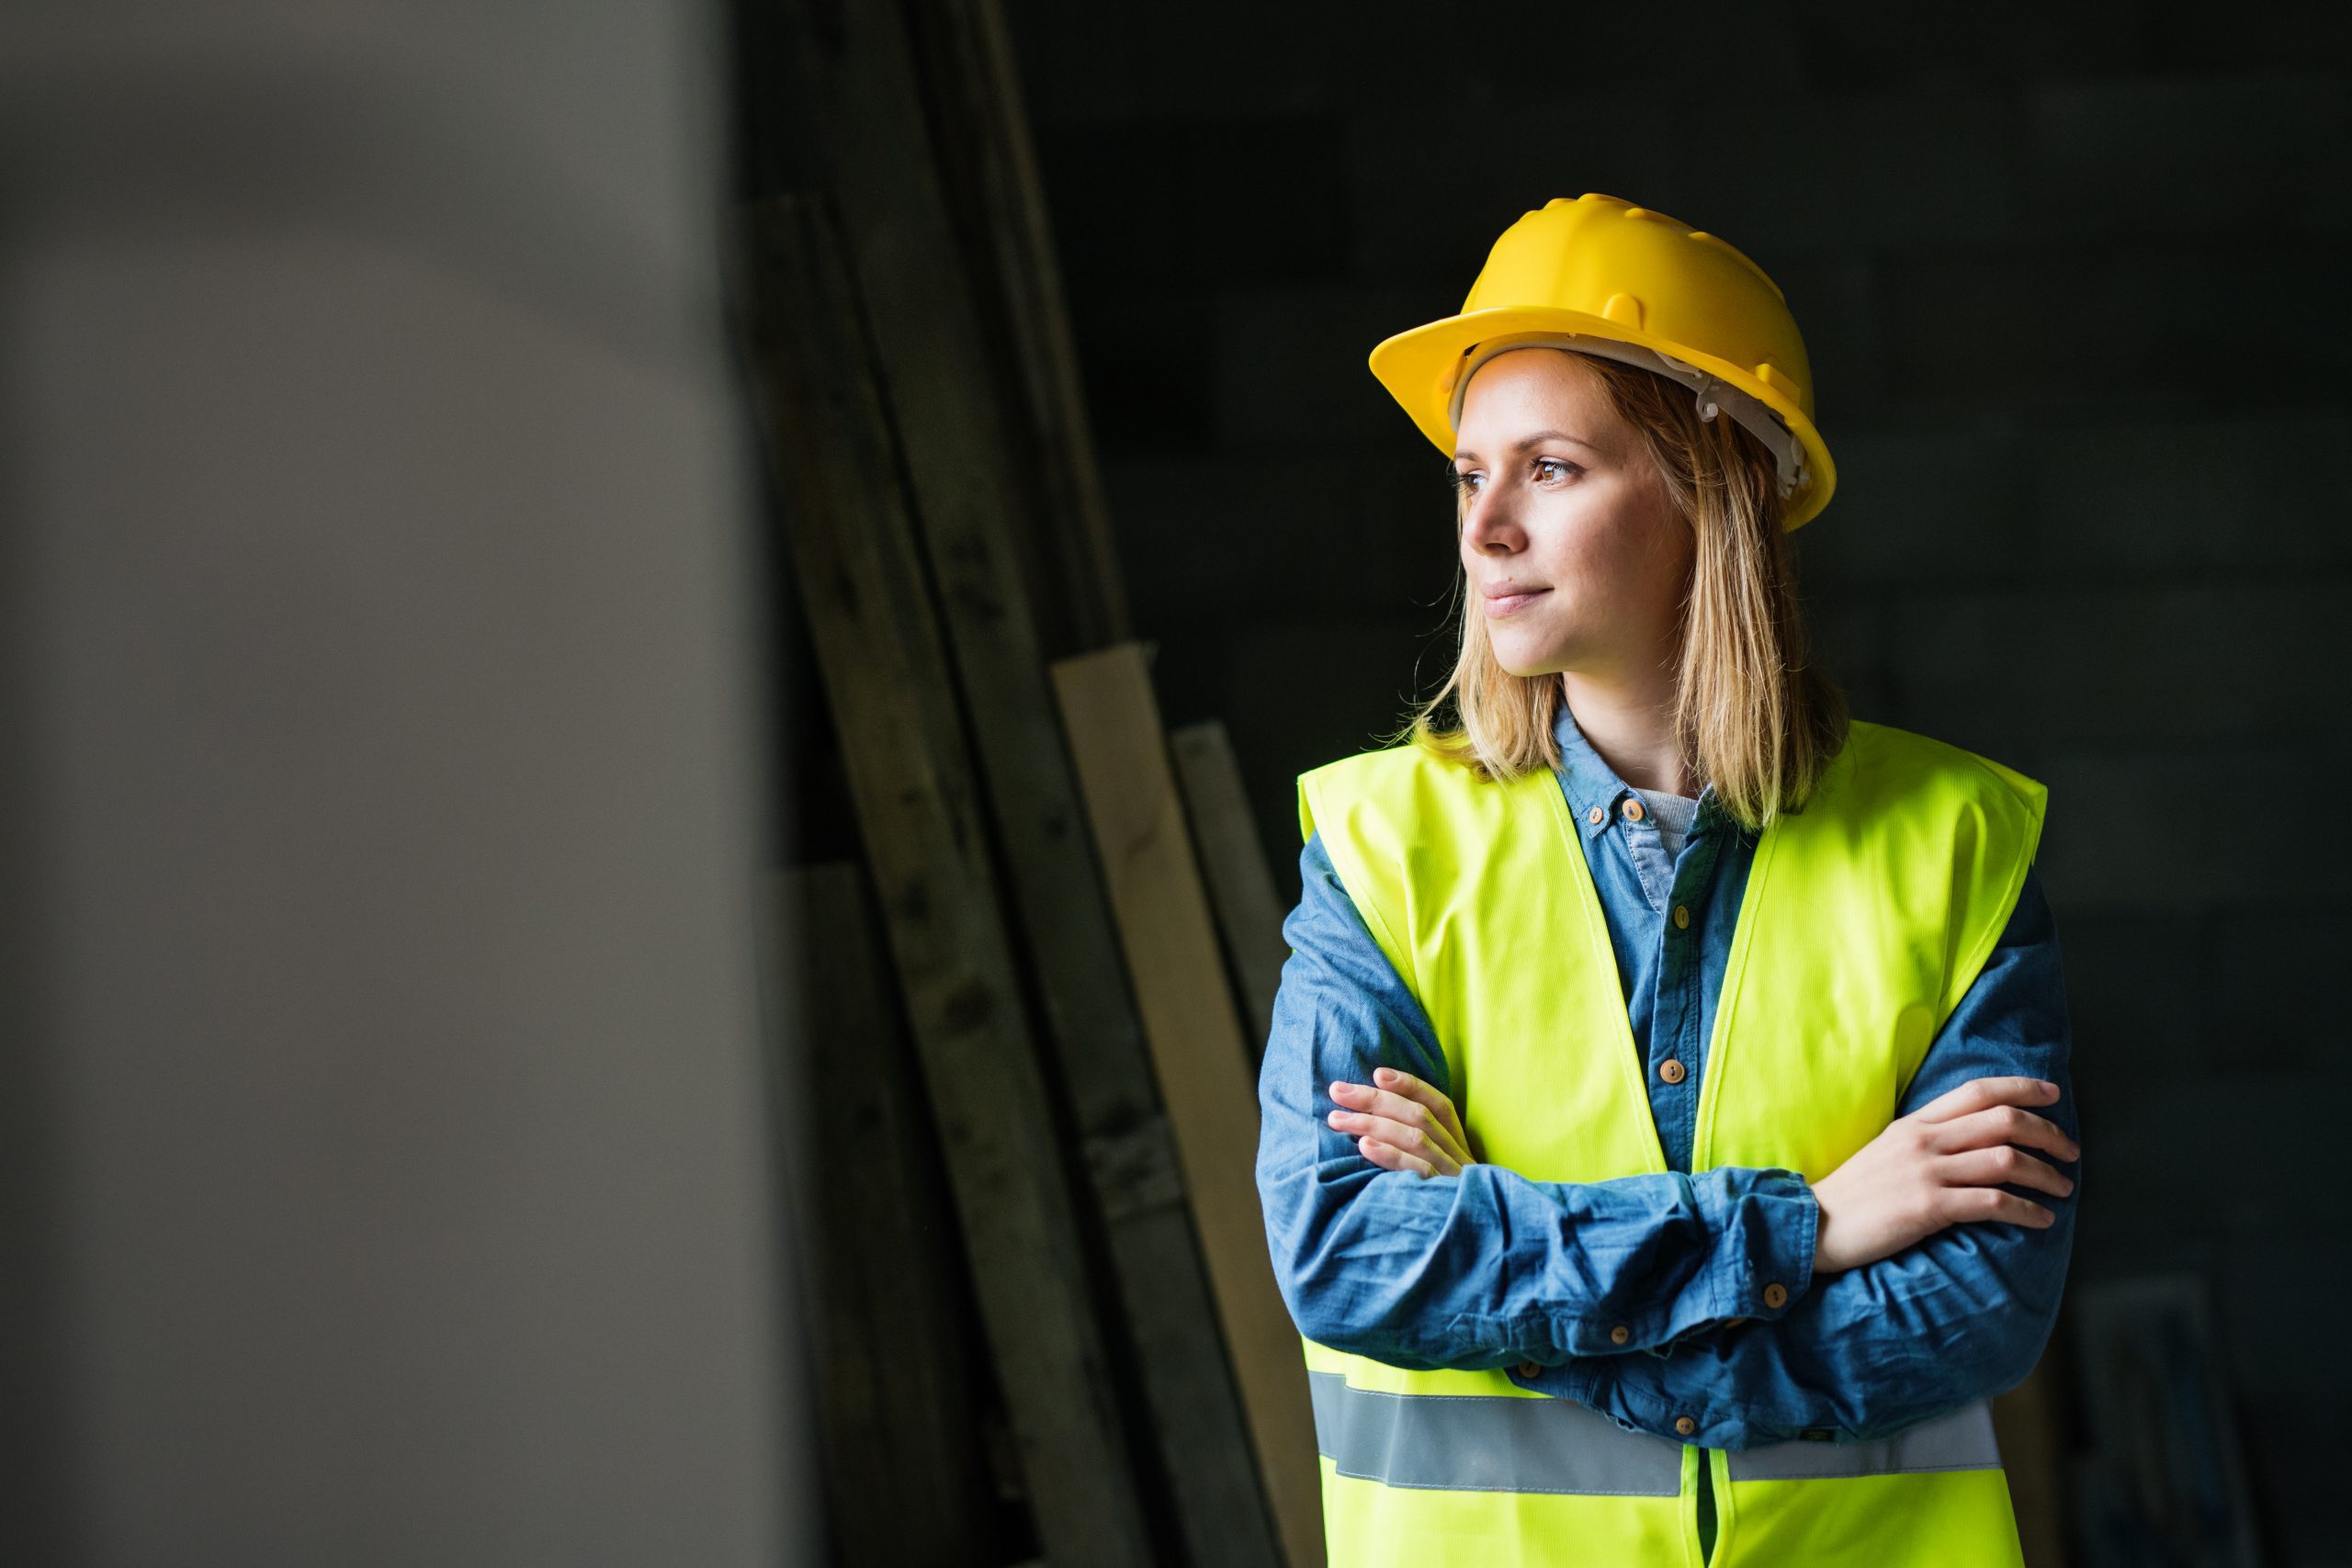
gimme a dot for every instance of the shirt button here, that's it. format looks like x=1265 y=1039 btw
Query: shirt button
x=1685 y=1425
x=1776 y=1295
x=1633 y=809
x=1619 y=1334
x=1670 y=1070
x=1594 y=815
x=1528 y=1369
x=1683 y=917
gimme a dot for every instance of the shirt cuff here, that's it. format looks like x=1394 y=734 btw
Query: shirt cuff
x=1762 y=1223
x=1780 y=1235
x=1769 y=1236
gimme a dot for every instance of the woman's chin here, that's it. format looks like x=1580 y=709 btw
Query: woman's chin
x=1523 y=658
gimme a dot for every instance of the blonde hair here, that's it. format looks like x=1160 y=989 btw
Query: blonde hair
x=1754 y=715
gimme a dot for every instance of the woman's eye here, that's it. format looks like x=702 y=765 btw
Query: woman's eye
x=1545 y=469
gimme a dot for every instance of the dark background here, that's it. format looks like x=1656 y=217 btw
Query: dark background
x=2073 y=282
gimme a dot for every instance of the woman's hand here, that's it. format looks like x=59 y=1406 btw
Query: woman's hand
x=1943 y=1163
x=1402 y=1124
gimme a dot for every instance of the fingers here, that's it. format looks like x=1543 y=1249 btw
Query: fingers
x=1976 y=1094
x=1431 y=1097
x=1405 y=1113
x=1393 y=1158
x=1415 y=1142
x=1961 y=1204
x=1988 y=1167
x=2004 y=1124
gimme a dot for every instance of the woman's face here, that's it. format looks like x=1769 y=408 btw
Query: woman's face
x=1574 y=553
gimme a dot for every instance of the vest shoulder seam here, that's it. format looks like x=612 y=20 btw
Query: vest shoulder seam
x=1952 y=758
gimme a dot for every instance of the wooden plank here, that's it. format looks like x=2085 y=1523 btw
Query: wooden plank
x=961 y=441
x=869 y=612
x=1241 y=883
x=990 y=176
x=1171 y=942
x=898 y=1395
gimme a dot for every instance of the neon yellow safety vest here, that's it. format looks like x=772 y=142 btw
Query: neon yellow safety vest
x=1866 y=916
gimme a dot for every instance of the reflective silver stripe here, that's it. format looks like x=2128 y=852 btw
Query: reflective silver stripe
x=1962 y=1440
x=1478 y=1442
x=1495 y=1443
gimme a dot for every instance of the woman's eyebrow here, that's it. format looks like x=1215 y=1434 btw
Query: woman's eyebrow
x=1524 y=442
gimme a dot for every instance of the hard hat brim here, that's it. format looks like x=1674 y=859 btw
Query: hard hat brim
x=1418 y=366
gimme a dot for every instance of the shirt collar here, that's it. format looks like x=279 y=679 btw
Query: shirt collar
x=1594 y=790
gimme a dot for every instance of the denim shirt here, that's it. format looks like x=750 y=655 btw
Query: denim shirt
x=1490 y=1270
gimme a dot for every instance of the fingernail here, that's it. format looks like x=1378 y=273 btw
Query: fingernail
x=2047 y=1088
x=1386 y=1075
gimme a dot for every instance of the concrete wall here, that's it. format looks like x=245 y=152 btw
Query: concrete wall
x=2072 y=278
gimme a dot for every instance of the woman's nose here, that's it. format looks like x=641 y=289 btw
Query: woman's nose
x=1486 y=523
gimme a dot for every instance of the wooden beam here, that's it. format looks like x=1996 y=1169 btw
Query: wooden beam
x=867 y=601
x=898 y=1395
x=1171 y=942
x=990 y=176
x=1241 y=883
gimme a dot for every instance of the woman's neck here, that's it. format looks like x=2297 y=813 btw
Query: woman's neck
x=1631 y=723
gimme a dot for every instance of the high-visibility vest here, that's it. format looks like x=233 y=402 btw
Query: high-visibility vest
x=1866 y=916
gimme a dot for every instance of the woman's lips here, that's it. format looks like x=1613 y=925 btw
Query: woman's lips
x=1511 y=603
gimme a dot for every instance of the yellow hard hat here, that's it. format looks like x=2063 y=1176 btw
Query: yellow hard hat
x=1602 y=276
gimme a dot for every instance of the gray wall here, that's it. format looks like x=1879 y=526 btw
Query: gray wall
x=388 y=1178
x=2072 y=278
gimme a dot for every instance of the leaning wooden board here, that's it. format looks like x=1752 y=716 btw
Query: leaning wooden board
x=869 y=612
x=1241 y=883
x=1171 y=942
x=899 y=1395
x=989 y=171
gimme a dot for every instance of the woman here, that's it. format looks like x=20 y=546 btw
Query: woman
x=1666 y=1145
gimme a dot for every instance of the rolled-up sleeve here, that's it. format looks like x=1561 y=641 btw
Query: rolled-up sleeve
x=1487 y=1268
x=1961 y=1316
